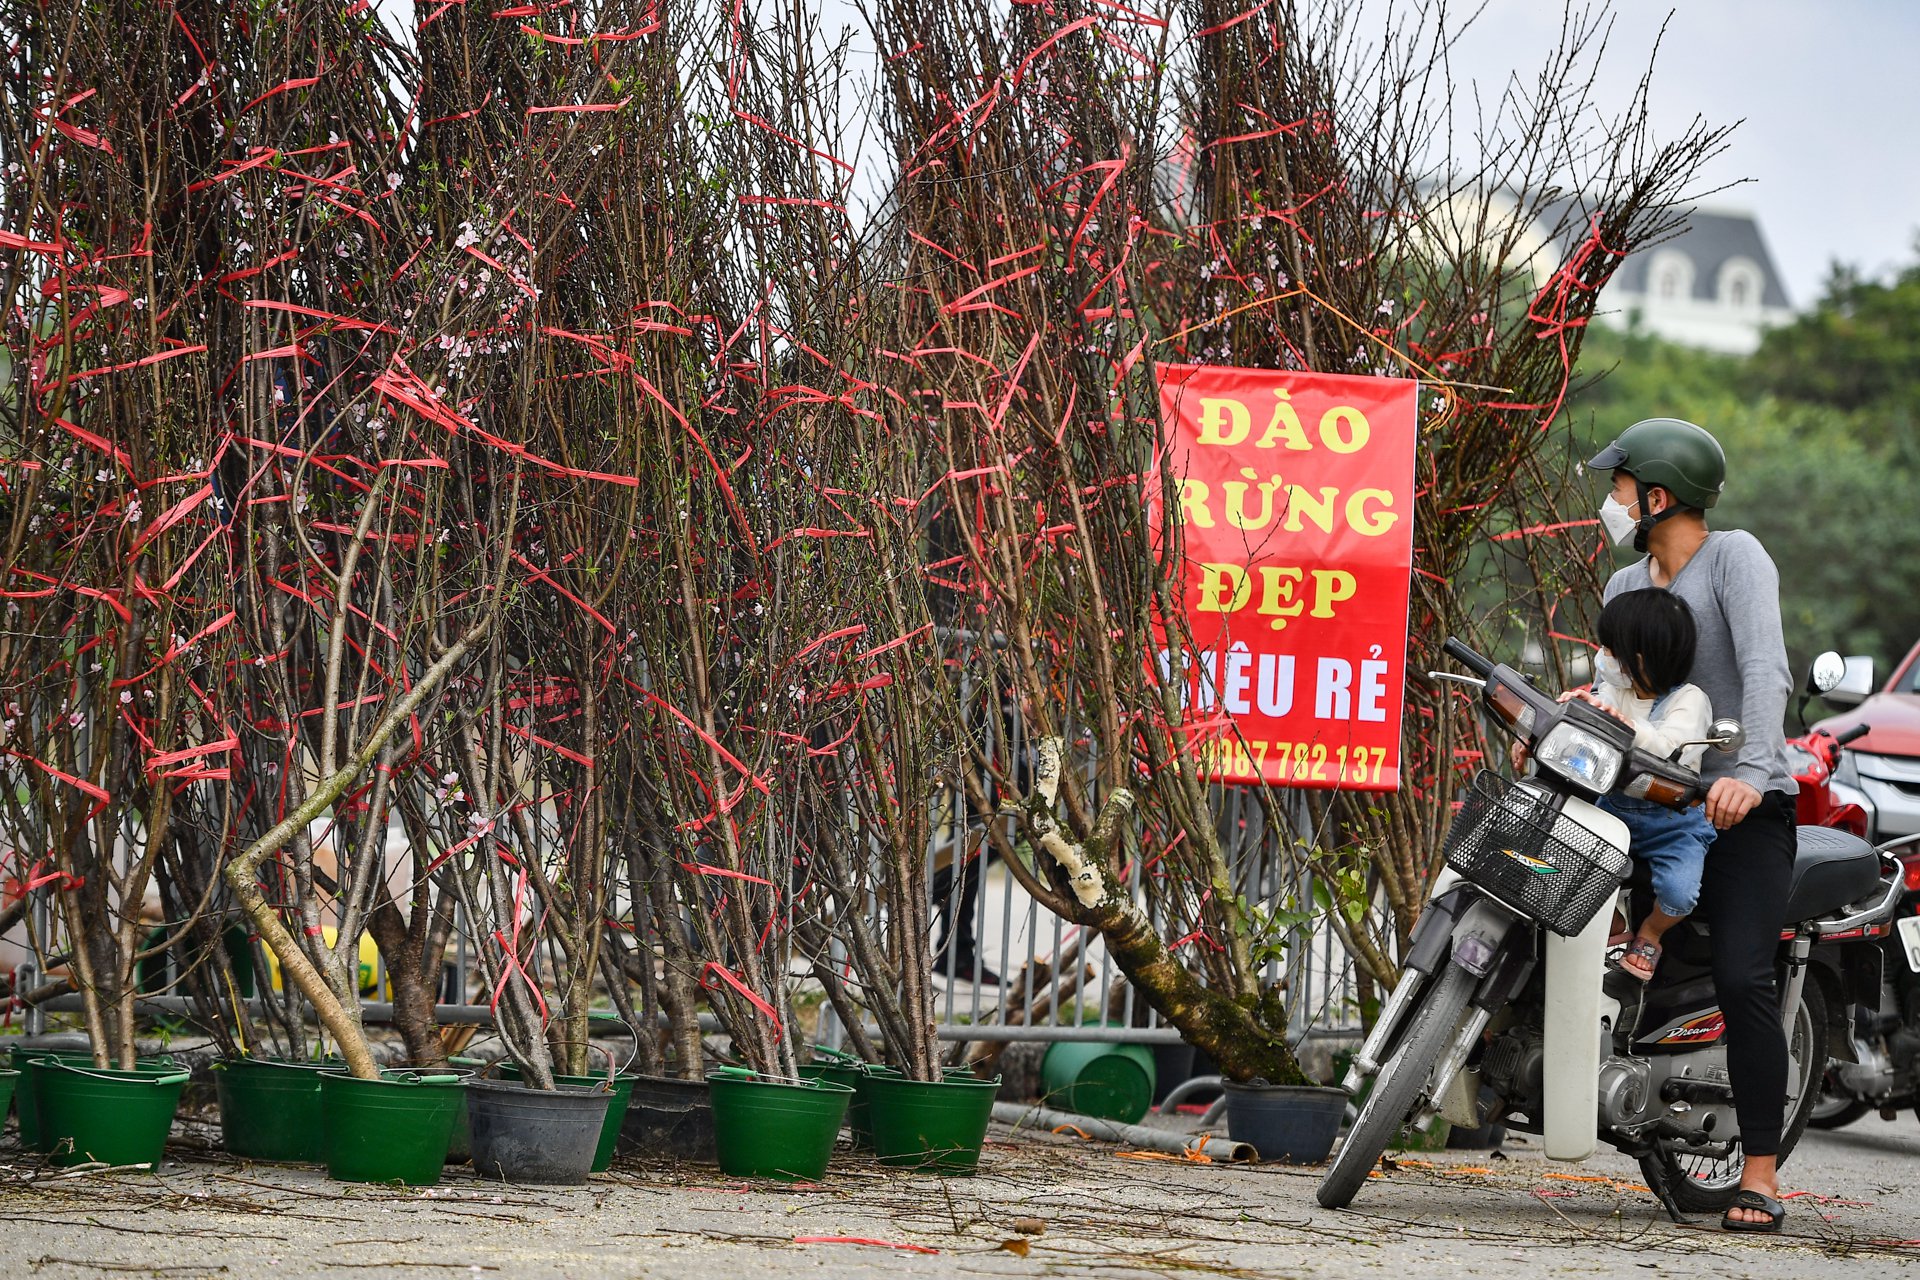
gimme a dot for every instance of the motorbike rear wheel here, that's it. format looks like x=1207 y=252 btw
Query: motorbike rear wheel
x=1702 y=1184
x=1833 y=1110
x=1402 y=1076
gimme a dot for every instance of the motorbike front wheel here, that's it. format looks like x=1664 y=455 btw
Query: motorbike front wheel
x=1397 y=1087
x=1703 y=1184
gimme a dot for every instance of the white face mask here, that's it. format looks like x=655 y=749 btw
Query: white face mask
x=1617 y=519
x=1608 y=668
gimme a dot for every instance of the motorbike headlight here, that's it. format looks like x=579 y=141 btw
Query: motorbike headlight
x=1580 y=757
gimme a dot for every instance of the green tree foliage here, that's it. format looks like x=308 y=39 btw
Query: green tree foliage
x=1858 y=349
x=1822 y=432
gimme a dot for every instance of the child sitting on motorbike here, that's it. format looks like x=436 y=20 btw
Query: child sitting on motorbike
x=1647 y=643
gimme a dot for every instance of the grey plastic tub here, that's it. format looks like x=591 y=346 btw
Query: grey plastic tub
x=541 y=1136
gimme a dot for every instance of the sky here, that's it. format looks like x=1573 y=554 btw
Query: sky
x=1827 y=152
x=1826 y=95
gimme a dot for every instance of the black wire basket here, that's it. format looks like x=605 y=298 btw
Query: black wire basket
x=1514 y=842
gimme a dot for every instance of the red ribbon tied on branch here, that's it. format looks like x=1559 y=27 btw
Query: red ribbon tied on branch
x=19 y=887
x=716 y=969
x=510 y=952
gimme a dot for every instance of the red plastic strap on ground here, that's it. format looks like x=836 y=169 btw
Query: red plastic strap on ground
x=877 y=1244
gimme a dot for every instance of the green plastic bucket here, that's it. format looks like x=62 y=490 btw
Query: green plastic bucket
x=1106 y=1081
x=839 y=1072
x=394 y=1129
x=31 y=1064
x=113 y=1117
x=775 y=1128
x=938 y=1128
x=616 y=1109
x=8 y=1079
x=847 y=1073
x=270 y=1110
x=860 y=1109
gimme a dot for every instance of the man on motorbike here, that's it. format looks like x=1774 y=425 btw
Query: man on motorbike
x=1666 y=475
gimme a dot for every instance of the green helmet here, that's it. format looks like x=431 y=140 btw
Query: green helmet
x=1681 y=458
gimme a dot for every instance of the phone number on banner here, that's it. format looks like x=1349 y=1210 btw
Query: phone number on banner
x=1295 y=761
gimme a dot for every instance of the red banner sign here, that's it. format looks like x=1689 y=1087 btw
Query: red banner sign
x=1296 y=508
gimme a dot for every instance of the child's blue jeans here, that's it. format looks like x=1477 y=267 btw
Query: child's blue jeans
x=1673 y=846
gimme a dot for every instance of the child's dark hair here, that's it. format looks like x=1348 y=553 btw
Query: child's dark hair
x=1651 y=633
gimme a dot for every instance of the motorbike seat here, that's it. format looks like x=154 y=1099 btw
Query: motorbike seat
x=1831 y=869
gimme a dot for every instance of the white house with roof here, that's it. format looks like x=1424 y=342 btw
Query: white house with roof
x=1713 y=285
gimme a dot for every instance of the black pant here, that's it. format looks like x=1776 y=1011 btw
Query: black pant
x=1743 y=900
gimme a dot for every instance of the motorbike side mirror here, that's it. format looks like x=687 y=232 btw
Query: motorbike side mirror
x=1853 y=686
x=1726 y=735
x=1826 y=672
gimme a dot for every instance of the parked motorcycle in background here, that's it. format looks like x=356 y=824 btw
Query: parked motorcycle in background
x=1875 y=1063
x=1501 y=992
x=1814 y=758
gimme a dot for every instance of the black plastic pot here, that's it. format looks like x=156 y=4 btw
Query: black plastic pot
x=1488 y=1137
x=1172 y=1065
x=460 y=1145
x=669 y=1117
x=544 y=1136
x=1294 y=1124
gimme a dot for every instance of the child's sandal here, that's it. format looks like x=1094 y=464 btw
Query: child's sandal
x=1644 y=949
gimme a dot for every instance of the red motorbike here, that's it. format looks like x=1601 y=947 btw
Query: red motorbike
x=1875 y=1063
x=1813 y=757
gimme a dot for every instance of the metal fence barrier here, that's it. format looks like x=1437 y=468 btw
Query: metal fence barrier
x=1004 y=957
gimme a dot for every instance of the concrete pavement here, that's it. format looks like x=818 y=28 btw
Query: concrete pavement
x=1105 y=1213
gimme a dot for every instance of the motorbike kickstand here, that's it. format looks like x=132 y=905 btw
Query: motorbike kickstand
x=1673 y=1209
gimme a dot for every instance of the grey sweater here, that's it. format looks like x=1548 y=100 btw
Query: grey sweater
x=1741 y=663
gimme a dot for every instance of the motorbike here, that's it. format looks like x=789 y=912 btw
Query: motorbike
x=1876 y=1063
x=1876 y=1054
x=1814 y=758
x=1504 y=993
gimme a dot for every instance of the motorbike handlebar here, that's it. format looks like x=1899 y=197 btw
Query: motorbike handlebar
x=1858 y=731
x=1467 y=658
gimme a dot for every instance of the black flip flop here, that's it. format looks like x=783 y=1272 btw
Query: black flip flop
x=1775 y=1211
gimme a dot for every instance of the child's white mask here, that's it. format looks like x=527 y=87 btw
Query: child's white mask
x=1608 y=668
